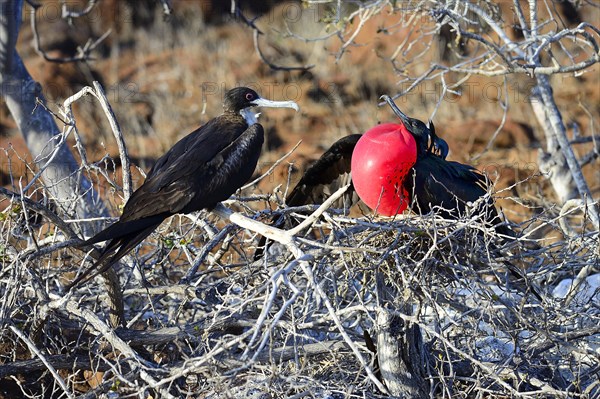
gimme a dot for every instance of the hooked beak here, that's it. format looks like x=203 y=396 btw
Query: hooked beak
x=263 y=102
x=395 y=108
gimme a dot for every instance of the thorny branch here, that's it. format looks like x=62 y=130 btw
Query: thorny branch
x=98 y=92
x=255 y=35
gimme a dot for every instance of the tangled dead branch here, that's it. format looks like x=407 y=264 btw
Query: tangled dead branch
x=305 y=320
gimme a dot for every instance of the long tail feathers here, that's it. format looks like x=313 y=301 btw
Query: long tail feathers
x=115 y=250
x=122 y=229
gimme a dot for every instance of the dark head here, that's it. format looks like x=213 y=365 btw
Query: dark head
x=241 y=98
x=420 y=131
x=438 y=146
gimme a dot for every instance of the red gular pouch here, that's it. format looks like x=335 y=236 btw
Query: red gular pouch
x=381 y=161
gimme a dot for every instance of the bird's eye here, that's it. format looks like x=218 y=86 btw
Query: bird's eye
x=249 y=96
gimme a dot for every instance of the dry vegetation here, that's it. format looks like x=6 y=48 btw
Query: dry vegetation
x=203 y=319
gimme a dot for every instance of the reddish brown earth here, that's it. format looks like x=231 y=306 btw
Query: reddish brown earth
x=163 y=81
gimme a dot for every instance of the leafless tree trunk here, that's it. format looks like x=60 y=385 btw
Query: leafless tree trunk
x=400 y=348
x=69 y=189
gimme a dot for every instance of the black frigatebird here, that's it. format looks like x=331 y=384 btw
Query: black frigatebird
x=448 y=186
x=431 y=181
x=202 y=169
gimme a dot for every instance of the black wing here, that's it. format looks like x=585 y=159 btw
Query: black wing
x=324 y=177
x=199 y=171
x=185 y=175
x=451 y=185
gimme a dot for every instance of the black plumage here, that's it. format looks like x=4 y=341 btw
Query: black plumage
x=202 y=169
x=326 y=175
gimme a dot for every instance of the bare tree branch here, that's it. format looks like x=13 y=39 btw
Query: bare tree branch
x=83 y=52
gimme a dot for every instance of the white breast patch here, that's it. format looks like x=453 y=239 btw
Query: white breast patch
x=250 y=117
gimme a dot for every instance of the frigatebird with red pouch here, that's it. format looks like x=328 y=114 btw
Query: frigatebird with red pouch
x=449 y=187
x=428 y=181
x=425 y=182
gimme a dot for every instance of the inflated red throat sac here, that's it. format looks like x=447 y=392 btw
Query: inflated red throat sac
x=381 y=161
